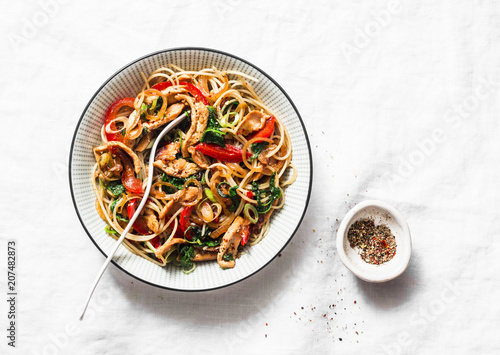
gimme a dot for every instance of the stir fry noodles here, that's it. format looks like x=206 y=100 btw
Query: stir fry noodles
x=217 y=179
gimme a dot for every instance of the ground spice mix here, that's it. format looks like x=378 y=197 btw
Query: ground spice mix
x=376 y=242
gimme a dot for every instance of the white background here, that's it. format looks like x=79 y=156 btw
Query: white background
x=401 y=102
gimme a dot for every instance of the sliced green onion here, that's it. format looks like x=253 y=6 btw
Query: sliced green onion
x=210 y=195
x=224 y=122
x=250 y=208
x=150 y=246
x=171 y=255
x=143 y=109
x=228 y=105
x=187 y=272
x=121 y=218
x=153 y=106
x=201 y=203
x=153 y=249
x=151 y=144
x=110 y=230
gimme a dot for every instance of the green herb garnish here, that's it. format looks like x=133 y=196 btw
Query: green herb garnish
x=116 y=188
x=113 y=204
x=213 y=134
x=186 y=255
x=232 y=195
x=273 y=192
x=257 y=148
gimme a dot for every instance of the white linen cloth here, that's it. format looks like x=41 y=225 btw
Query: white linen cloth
x=401 y=102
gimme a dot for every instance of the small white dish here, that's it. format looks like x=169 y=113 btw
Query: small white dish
x=381 y=213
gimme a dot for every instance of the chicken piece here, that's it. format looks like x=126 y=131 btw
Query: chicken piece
x=199 y=120
x=184 y=77
x=263 y=155
x=170 y=114
x=202 y=255
x=169 y=92
x=189 y=196
x=172 y=205
x=180 y=168
x=130 y=152
x=168 y=245
x=144 y=142
x=272 y=162
x=165 y=160
x=230 y=242
x=167 y=153
x=152 y=221
x=199 y=158
x=252 y=122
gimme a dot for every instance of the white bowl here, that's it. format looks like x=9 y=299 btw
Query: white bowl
x=381 y=213
x=127 y=82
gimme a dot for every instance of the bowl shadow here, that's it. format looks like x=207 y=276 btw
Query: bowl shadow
x=392 y=293
x=247 y=299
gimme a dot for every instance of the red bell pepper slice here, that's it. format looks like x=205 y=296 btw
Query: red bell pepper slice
x=229 y=154
x=265 y=132
x=161 y=86
x=245 y=233
x=129 y=180
x=249 y=194
x=111 y=115
x=140 y=224
x=178 y=232
x=155 y=242
x=193 y=90
x=184 y=221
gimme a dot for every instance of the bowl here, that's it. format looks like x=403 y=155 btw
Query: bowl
x=127 y=82
x=381 y=213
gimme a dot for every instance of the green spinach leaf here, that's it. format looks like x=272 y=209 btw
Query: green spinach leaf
x=116 y=188
x=257 y=148
x=213 y=134
x=186 y=255
x=273 y=192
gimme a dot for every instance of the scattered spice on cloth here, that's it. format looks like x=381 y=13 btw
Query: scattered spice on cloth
x=377 y=243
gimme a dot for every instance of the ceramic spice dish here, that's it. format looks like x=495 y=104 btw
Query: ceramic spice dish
x=381 y=213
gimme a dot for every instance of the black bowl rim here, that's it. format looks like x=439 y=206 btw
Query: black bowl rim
x=207 y=50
